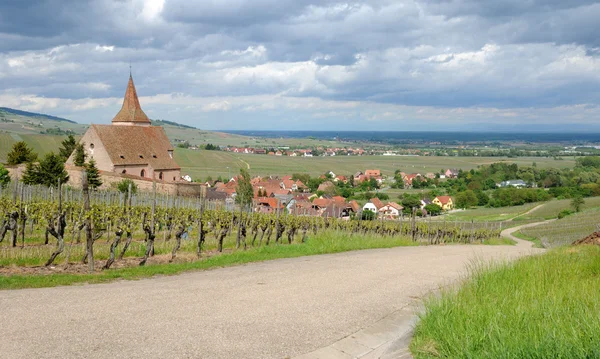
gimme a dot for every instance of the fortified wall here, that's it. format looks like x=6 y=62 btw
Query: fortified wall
x=185 y=189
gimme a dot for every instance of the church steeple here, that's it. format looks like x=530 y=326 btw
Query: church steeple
x=131 y=112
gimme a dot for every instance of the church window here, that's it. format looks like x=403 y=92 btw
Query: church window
x=124 y=171
x=143 y=173
x=160 y=176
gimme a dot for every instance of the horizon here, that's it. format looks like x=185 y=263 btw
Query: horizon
x=380 y=65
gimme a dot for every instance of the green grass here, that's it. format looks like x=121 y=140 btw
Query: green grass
x=483 y=214
x=326 y=242
x=551 y=208
x=566 y=230
x=536 y=242
x=538 y=307
x=41 y=144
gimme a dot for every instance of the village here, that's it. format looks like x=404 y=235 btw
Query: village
x=290 y=195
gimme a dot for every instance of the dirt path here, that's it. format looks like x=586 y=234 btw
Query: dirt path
x=508 y=233
x=274 y=309
x=528 y=212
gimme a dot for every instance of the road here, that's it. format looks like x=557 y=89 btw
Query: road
x=273 y=309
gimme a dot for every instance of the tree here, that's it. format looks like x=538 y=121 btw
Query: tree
x=79 y=159
x=466 y=199
x=368 y=215
x=93 y=175
x=433 y=209
x=4 y=176
x=20 y=153
x=577 y=202
x=123 y=186
x=409 y=202
x=302 y=177
x=47 y=172
x=244 y=190
x=68 y=146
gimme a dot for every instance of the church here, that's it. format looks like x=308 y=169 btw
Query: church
x=131 y=145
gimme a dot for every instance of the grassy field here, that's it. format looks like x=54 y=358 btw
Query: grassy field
x=483 y=214
x=551 y=208
x=542 y=306
x=566 y=230
x=326 y=242
x=200 y=164
x=41 y=144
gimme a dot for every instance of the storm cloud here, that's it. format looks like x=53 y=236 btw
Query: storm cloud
x=298 y=64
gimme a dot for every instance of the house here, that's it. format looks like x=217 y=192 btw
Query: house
x=327 y=187
x=430 y=175
x=373 y=173
x=451 y=173
x=131 y=145
x=342 y=179
x=373 y=205
x=425 y=202
x=268 y=205
x=445 y=202
x=408 y=179
x=354 y=205
x=358 y=176
x=512 y=183
x=391 y=210
x=260 y=151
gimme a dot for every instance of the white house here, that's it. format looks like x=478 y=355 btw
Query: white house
x=390 y=211
x=370 y=207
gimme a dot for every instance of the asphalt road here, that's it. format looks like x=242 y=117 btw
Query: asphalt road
x=274 y=309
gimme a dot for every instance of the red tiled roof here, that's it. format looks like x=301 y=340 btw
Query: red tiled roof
x=321 y=202
x=131 y=111
x=444 y=199
x=271 y=202
x=377 y=202
x=372 y=173
x=137 y=145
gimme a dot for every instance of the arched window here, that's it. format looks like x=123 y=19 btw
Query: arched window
x=160 y=176
x=143 y=173
x=124 y=171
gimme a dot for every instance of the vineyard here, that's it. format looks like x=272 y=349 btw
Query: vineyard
x=566 y=230
x=45 y=227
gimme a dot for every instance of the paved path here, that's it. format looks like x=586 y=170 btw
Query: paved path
x=275 y=309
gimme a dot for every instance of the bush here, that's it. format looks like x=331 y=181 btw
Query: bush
x=123 y=186
x=368 y=215
x=564 y=213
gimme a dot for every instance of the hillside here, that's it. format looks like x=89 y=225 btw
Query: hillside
x=4 y=111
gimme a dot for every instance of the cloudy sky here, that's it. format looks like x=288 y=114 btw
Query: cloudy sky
x=307 y=64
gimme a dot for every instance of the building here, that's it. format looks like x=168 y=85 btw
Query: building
x=391 y=210
x=512 y=183
x=445 y=202
x=131 y=145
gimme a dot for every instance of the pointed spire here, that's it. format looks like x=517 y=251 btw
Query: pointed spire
x=131 y=111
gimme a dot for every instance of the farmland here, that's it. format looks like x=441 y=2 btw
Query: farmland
x=566 y=230
x=200 y=164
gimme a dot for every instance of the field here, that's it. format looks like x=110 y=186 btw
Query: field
x=483 y=214
x=538 y=307
x=41 y=144
x=551 y=208
x=200 y=164
x=566 y=230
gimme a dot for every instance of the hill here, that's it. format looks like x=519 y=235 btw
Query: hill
x=6 y=110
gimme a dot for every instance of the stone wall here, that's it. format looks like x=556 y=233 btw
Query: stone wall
x=186 y=189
